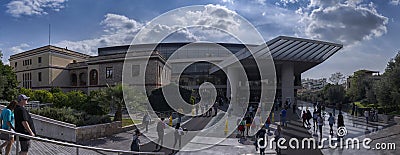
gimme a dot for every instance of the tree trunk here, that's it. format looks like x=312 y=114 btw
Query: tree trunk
x=118 y=113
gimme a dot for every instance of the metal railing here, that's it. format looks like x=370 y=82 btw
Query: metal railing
x=76 y=146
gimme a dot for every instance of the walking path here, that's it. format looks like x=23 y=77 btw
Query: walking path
x=356 y=127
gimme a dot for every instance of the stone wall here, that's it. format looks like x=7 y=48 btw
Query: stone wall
x=97 y=131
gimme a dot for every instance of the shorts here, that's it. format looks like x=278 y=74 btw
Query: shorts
x=25 y=145
x=6 y=137
x=248 y=125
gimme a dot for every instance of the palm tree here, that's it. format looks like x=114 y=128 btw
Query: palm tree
x=114 y=95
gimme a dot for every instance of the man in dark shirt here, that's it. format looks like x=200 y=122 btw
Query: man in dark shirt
x=23 y=123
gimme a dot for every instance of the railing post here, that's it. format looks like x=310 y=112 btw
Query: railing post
x=77 y=150
x=16 y=144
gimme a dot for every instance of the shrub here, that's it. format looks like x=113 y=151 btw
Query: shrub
x=72 y=116
x=60 y=100
x=43 y=96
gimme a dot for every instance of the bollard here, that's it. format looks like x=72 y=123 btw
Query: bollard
x=272 y=117
x=170 y=120
x=226 y=127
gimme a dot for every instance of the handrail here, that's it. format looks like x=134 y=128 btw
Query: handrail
x=74 y=145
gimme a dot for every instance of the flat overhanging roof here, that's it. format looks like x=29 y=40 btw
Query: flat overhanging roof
x=284 y=48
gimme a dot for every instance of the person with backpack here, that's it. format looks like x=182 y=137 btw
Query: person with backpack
x=331 y=121
x=135 y=145
x=7 y=118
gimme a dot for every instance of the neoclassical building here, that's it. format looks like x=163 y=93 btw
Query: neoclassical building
x=51 y=66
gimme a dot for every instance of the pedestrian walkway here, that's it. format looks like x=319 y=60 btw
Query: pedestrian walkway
x=356 y=127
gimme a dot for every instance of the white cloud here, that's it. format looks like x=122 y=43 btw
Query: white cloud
x=228 y=1
x=395 y=2
x=118 y=30
x=19 y=48
x=286 y=2
x=347 y=23
x=262 y=2
x=18 y=8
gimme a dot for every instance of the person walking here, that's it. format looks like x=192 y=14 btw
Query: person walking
x=340 y=122
x=160 y=131
x=7 y=117
x=268 y=123
x=278 y=135
x=366 y=114
x=304 y=117
x=283 y=117
x=135 y=145
x=215 y=106
x=315 y=118
x=256 y=122
x=261 y=135
x=146 y=121
x=320 y=124
x=353 y=109
x=294 y=106
x=23 y=123
x=309 y=117
x=248 y=123
x=331 y=121
x=178 y=135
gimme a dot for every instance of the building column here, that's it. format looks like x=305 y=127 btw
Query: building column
x=287 y=76
x=232 y=83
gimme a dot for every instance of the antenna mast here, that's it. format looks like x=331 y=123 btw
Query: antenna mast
x=49 y=34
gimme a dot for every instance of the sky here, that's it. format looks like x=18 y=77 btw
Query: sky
x=368 y=29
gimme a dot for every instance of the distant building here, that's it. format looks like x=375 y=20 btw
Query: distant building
x=367 y=74
x=313 y=84
x=50 y=66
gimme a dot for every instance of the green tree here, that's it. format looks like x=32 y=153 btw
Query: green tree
x=358 y=86
x=76 y=99
x=27 y=92
x=115 y=97
x=334 y=93
x=43 y=96
x=8 y=82
x=60 y=100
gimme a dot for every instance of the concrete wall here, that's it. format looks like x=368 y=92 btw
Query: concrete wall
x=53 y=129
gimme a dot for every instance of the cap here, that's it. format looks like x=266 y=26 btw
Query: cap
x=22 y=97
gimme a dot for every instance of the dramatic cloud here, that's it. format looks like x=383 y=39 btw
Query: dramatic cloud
x=348 y=23
x=18 y=8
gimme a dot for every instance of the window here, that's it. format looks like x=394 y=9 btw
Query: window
x=109 y=72
x=82 y=79
x=40 y=76
x=74 y=80
x=93 y=77
x=27 y=80
x=15 y=64
x=135 y=70
x=30 y=61
x=39 y=59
